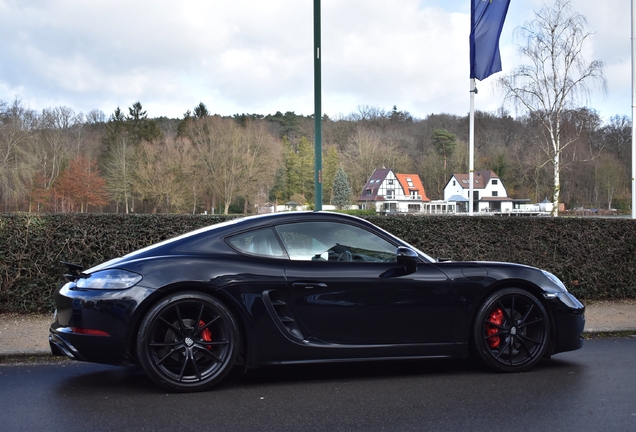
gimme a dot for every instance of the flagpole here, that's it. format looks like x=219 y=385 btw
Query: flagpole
x=633 y=111
x=471 y=147
x=486 y=23
x=317 y=109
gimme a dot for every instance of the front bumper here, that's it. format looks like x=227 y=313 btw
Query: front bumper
x=569 y=315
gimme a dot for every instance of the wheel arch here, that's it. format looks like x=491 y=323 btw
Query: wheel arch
x=533 y=289
x=188 y=286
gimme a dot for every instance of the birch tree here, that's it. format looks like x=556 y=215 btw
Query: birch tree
x=554 y=79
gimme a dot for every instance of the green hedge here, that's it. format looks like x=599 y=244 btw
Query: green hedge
x=32 y=246
x=596 y=258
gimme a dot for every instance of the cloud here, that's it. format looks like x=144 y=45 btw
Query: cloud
x=248 y=56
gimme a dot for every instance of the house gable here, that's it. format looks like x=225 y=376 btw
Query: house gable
x=375 y=188
x=486 y=183
x=412 y=185
x=390 y=192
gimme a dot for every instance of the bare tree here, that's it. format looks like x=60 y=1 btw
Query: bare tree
x=555 y=78
x=161 y=175
x=262 y=154
x=432 y=172
x=118 y=161
x=369 y=150
x=95 y=116
x=611 y=178
x=119 y=171
x=55 y=147
x=17 y=161
x=233 y=159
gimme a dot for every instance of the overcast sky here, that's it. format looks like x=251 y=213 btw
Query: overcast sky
x=255 y=56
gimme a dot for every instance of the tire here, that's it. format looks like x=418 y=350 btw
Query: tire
x=511 y=331
x=181 y=356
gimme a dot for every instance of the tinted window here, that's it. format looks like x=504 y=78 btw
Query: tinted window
x=328 y=241
x=260 y=242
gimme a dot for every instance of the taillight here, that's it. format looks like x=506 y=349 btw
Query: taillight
x=91 y=332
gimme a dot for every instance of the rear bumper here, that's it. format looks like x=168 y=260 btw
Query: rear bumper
x=95 y=325
x=89 y=348
x=61 y=347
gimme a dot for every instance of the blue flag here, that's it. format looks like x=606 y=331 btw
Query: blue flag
x=486 y=21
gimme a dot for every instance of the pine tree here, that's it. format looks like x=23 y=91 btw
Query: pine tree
x=141 y=128
x=201 y=111
x=444 y=143
x=341 y=190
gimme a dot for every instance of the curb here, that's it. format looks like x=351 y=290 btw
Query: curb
x=45 y=354
x=22 y=356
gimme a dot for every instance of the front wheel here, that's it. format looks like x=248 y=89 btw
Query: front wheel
x=511 y=331
x=187 y=342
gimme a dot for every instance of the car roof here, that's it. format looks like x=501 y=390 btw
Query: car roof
x=244 y=224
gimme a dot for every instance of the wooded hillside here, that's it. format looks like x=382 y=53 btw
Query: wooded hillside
x=58 y=160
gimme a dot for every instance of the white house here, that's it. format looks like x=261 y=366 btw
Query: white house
x=387 y=191
x=490 y=194
x=546 y=206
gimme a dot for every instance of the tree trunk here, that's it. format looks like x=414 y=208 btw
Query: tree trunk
x=557 y=184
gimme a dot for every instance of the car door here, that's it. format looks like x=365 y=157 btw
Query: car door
x=346 y=287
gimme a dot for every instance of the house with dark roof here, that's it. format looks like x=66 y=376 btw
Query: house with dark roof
x=388 y=192
x=489 y=192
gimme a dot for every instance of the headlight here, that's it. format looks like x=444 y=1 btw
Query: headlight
x=109 y=279
x=570 y=301
x=554 y=279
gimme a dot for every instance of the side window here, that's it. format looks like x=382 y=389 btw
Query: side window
x=261 y=242
x=329 y=241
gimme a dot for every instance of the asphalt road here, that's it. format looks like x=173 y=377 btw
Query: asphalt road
x=587 y=390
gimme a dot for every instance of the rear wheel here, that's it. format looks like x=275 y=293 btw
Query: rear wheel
x=188 y=342
x=511 y=331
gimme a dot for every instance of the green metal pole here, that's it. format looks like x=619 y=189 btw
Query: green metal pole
x=317 y=108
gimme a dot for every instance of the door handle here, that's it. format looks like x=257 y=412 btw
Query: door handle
x=309 y=285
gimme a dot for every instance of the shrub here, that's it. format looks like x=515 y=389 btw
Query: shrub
x=596 y=258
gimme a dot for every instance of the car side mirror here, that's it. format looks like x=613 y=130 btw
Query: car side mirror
x=407 y=256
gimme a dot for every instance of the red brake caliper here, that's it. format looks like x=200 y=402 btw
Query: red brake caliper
x=496 y=317
x=206 y=334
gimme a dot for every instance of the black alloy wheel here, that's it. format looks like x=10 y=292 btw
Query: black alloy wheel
x=512 y=330
x=188 y=342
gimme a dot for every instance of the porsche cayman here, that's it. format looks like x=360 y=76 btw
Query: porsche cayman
x=303 y=287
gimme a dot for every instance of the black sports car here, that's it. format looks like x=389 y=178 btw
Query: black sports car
x=302 y=287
